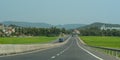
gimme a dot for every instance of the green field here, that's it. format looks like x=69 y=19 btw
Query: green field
x=105 y=41
x=26 y=40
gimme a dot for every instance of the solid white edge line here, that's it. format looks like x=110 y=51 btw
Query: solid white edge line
x=88 y=51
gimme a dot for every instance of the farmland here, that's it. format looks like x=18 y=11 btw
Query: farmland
x=26 y=40
x=102 y=41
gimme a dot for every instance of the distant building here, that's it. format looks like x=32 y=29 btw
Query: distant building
x=108 y=27
x=76 y=32
x=1 y=26
x=6 y=30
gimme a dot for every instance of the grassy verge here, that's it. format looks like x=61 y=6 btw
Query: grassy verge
x=105 y=41
x=26 y=40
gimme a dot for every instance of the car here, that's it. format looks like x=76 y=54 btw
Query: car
x=61 y=39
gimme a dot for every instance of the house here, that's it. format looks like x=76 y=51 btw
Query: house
x=76 y=31
x=7 y=30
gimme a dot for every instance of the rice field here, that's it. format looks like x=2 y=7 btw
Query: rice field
x=102 y=41
x=26 y=40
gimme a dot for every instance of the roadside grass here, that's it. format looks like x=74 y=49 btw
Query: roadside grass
x=26 y=40
x=102 y=41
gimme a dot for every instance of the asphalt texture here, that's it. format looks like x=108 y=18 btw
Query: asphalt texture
x=72 y=50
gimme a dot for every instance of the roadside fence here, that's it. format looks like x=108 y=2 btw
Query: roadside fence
x=110 y=51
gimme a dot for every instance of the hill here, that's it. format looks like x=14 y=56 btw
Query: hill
x=43 y=25
x=28 y=24
x=70 y=26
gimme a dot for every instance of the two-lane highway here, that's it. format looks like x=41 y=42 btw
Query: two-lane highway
x=72 y=50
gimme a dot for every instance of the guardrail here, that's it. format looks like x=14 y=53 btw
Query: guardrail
x=110 y=51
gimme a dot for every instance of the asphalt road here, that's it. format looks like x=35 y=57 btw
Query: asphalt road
x=72 y=50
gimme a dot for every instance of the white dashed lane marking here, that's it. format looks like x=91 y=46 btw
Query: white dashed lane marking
x=58 y=54
x=53 y=57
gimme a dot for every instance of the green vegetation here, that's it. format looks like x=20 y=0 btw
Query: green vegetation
x=102 y=41
x=95 y=31
x=31 y=31
x=26 y=40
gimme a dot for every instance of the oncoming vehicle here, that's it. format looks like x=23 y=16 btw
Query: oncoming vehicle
x=61 y=39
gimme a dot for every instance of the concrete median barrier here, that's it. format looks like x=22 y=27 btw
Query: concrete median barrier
x=8 y=49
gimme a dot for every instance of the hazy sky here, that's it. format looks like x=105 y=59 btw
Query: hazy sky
x=61 y=11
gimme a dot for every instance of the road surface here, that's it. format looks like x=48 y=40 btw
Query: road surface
x=72 y=50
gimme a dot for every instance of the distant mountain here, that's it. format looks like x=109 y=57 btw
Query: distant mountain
x=43 y=25
x=98 y=25
x=28 y=24
x=70 y=26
